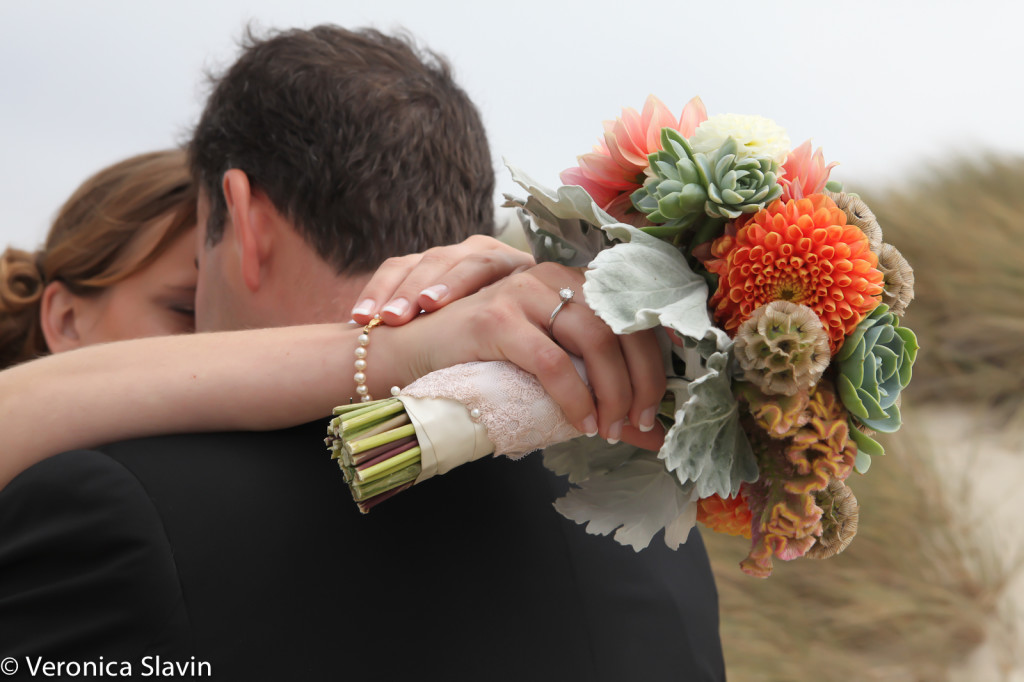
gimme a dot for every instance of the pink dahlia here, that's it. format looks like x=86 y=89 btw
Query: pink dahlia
x=804 y=173
x=615 y=169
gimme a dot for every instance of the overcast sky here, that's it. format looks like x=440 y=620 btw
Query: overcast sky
x=886 y=87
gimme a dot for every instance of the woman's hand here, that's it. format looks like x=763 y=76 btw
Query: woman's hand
x=404 y=285
x=509 y=321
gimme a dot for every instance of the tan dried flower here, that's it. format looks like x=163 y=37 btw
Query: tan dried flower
x=779 y=415
x=898 y=290
x=858 y=213
x=783 y=348
x=838 y=520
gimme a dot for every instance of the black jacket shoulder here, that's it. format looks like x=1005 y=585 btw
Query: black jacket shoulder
x=471 y=575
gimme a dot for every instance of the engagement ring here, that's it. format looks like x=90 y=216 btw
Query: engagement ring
x=566 y=294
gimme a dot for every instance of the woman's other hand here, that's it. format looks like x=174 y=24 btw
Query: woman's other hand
x=404 y=285
x=510 y=321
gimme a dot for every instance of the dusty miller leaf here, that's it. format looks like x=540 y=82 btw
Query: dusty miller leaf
x=562 y=226
x=706 y=445
x=636 y=500
x=572 y=243
x=644 y=282
x=568 y=202
x=584 y=457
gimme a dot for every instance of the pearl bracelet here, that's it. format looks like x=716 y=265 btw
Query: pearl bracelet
x=360 y=376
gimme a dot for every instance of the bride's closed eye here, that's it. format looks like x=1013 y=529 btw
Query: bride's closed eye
x=180 y=301
x=187 y=311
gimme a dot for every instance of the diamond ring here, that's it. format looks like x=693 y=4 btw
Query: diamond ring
x=565 y=294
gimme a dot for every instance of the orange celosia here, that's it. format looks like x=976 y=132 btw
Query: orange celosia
x=822 y=449
x=786 y=519
x=800 y=251
x=779 y=415
x=615 y=168
x=729 y=515
x=787 y=526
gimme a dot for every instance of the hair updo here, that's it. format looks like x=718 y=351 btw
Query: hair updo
x=114 y=225
x=21 y=287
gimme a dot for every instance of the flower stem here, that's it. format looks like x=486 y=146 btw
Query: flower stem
x=360 y=419
x=364 y=491
x=388 y=466
x=377 y=449
x=373 y=430
x=357 y=446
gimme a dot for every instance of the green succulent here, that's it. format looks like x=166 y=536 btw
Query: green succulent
x=875 y=363
x=685 y=185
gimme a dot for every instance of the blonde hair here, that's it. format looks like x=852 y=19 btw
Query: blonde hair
x=114 y=225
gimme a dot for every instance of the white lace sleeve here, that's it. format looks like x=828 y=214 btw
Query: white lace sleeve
x=512 y=405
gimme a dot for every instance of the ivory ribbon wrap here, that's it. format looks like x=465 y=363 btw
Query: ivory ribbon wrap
x=516 y=416
x=447 y=435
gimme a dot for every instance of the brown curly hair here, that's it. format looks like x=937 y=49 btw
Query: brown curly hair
x=114 y=225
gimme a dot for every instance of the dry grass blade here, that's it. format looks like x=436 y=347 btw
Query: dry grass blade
x=963 y=232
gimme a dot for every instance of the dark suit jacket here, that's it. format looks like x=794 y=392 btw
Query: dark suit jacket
x=246 y=551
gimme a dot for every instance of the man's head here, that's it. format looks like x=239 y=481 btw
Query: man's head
x=361 y=144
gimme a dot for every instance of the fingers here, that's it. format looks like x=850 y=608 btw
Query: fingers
x=517 y=322
x=379 y=291
x=648 y=440
x=429 y=281
x=536 y=353
x=475 y=271
x=509 y=321
x=580 y=332
x=625 y=372
x=646 y=375
x=500 y=324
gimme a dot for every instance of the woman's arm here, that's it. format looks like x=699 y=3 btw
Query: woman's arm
x=249 y=380
x=272 y=378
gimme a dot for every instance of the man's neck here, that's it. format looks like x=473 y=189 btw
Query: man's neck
x=317 y=295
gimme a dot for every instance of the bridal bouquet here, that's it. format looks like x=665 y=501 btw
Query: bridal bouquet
x=779 y=306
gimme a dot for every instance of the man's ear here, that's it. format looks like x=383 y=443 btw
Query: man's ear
x=60 y=316
x=252 y=226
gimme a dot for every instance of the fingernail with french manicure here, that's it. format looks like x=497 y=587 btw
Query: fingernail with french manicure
x=365 y=307
x=615 y=431
x=590 y=425
x=435 y=293
x=647 y=419
x=397 y=307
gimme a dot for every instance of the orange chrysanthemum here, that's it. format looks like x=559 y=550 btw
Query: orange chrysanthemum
x=729 y=515
x=800 y=251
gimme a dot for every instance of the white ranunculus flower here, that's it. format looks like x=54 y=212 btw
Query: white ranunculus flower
x=756 y=136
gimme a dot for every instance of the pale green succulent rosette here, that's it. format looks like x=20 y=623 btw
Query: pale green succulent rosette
x=685 y=185
x=875 y=365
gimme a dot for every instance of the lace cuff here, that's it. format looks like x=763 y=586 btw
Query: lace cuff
x=458 y=414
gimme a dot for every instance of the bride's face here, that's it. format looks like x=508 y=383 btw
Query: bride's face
x=157 y=300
